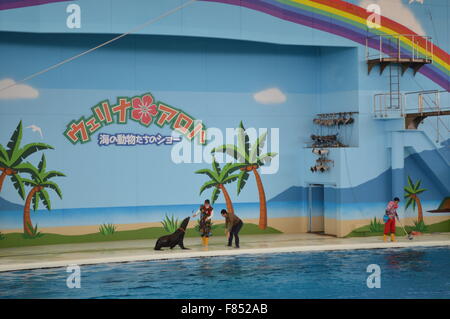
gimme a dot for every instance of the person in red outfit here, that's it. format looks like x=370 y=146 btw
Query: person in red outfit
x=391 y=215
x=206 y=212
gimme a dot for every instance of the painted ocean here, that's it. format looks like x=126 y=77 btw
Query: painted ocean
x=12 y=219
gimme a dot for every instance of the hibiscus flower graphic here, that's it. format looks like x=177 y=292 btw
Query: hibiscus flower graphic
x=143 y=109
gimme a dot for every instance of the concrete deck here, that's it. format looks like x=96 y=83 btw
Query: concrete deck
x=142 y=250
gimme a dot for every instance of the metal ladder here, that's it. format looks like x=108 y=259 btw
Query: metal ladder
x=394 y=86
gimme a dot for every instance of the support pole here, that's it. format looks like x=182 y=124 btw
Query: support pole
x=397 y=164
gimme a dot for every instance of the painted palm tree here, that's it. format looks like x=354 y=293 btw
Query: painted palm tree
x=412 y=190
x=12 y=157
x=39 y=183
x=218 y=178
x=251 y=156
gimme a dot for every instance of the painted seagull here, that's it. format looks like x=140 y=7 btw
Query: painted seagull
x=35 y=128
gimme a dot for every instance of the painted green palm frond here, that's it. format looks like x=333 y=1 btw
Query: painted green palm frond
x=417 y=185
x=216 y=167
x=14 y=143
x=231 y=150
x=247 y=146
x=211 y=174
x=215 y=194
x=50 y=174
x=413 y=188
x=409 y=190
x=225 y=171
x=230 y=179
x=243 y=141
x=3 y=153
x=413 y=204
x=242 y=180
x=4 y=163
x=53 y=186
x=410 y=183
x=29 y=182
x=36 y=198
x=45 y=197
x=207 y=185
x=408 y=202
x=18 y=185
x=27 y=150
x=257 y=147
x=230 y=168
x=266 y=158
x=42 y=164
x=28 y=168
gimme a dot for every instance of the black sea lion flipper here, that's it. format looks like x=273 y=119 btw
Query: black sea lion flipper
x=157 y=245
x=182 y=246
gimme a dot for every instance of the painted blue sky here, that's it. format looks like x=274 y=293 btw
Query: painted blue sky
x=211 y=79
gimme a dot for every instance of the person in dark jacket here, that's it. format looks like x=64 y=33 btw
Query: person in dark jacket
x=233 y=225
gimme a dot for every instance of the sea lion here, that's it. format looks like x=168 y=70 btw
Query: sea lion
x=173 y=239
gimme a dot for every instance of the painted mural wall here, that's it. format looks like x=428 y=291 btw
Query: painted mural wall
x=123 y=136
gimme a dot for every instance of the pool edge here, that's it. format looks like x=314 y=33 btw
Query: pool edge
x=169 y=255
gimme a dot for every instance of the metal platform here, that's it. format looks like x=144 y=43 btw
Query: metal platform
x=404 y=63
x=413 y=120
x=384 y=50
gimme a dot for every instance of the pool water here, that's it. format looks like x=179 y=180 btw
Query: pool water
x=405 y=273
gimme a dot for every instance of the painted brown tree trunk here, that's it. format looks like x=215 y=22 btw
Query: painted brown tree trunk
x=230 y=208
x=5 y=172
x=262 y=201
x=419 y=209
x=27 y=224
x=2 y=178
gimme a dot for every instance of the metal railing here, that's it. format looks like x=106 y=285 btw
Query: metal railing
x=414 y=102
x=427 y=101
x=430 y=101
x=391 y=46
x=382 y=104
x=424 y=101
x=440 y=136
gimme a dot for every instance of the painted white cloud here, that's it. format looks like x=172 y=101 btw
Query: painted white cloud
x=397 y=11
x=270 y=96
x=19 y=91
x=420 y=1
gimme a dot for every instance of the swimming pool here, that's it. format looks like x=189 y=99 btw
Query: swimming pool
x=405 y=273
